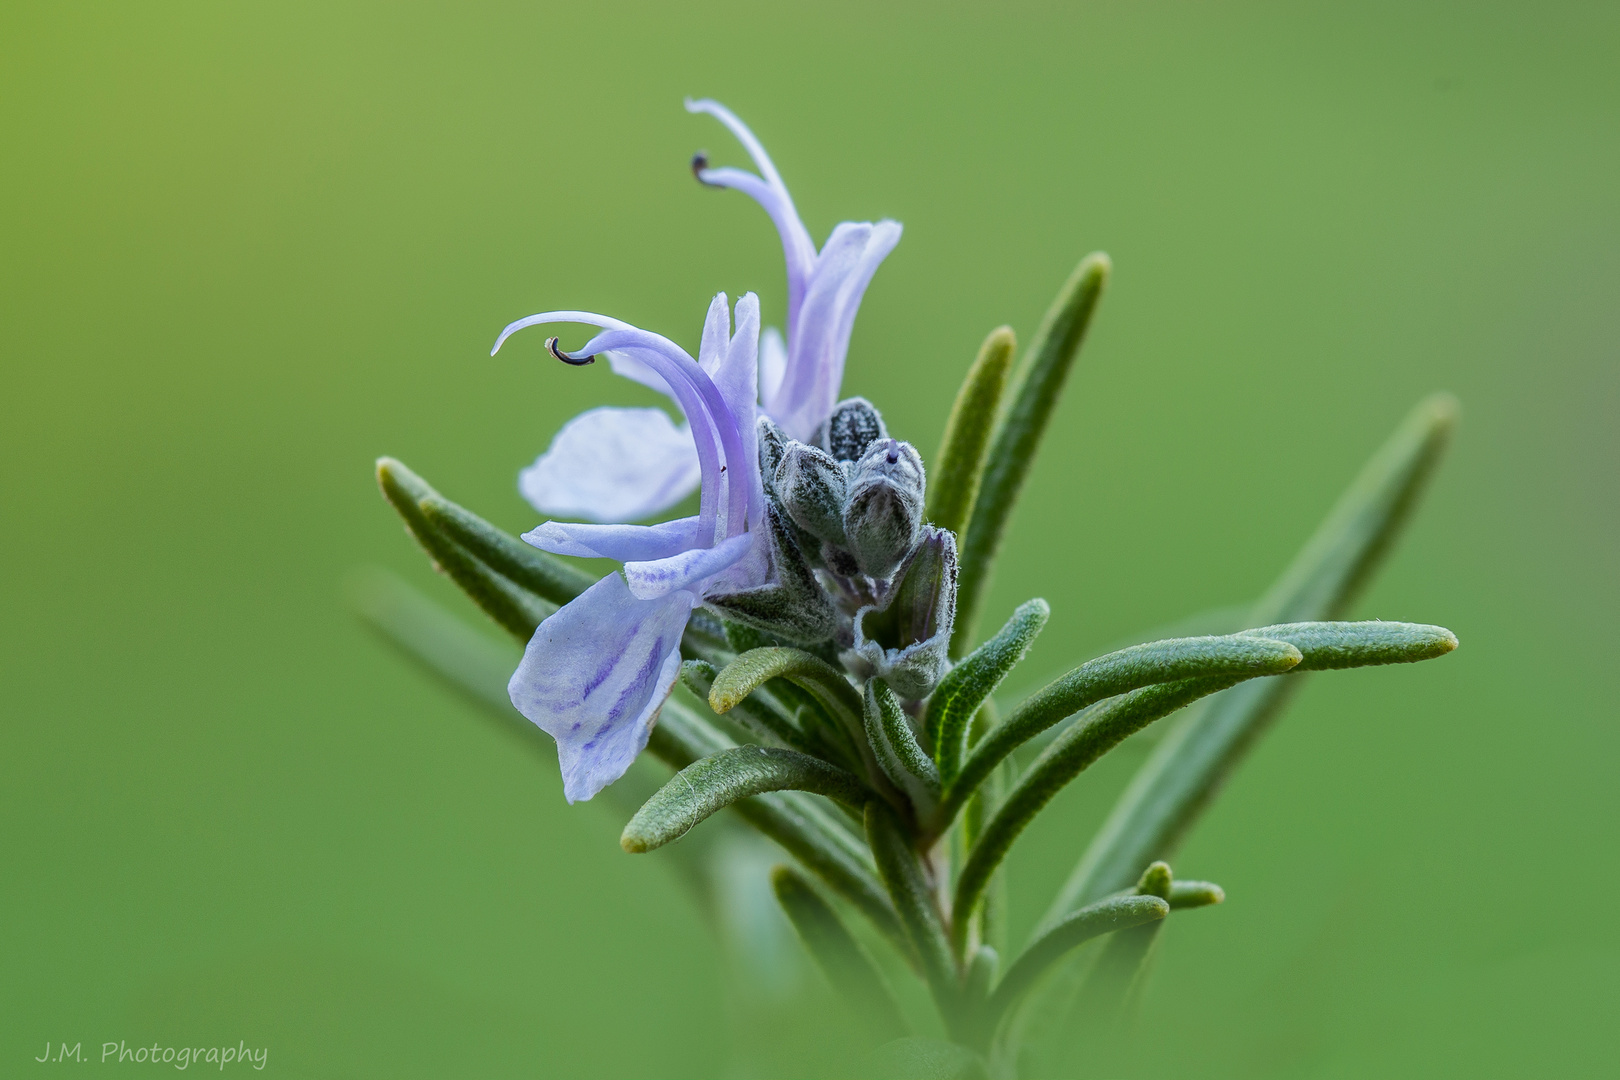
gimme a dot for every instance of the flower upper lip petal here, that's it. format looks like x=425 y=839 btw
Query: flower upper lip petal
x=824 y=290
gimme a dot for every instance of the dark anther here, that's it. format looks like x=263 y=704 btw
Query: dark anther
x=580 y=361
x=700 y=161
x=894 y=457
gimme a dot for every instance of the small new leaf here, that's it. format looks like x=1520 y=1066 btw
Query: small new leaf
x=753 y=668
x=761 y=717
x=960 y=461
x=890 y=734
x=1195 y=894
x=1103 y=917
x=914 y=902
x=1156 y=880
x=960 y=693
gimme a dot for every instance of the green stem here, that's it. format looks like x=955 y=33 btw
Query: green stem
x=902 y=873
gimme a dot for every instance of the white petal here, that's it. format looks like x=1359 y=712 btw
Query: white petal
x=613 y=465
x=686 y=570
x=626 y=543
x=595 y=675
x=772 y=366
x=629 y=366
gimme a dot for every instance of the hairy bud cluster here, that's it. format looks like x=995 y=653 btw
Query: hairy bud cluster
x=847 y=515
x=858 y=495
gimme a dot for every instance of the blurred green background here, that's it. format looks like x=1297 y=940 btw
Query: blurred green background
x=247 y=249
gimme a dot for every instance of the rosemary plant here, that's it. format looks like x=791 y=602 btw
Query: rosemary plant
x=821 y=609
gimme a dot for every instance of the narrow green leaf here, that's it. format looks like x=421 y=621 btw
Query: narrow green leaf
x=698 y=677
x=803 y=830
x=954 y=479
x=957 y=698
x=1180 y=778
x=1325 y=646
x=706 y=630
x=902 y=874
x=1320 y=645
x=1195 y=894
x=1113 y=985
x=854 y=977
x=681 y=736
x=741 y=638
x=1035 y=393
x=987 y=795
x=1336 y=563
x=517 y=610
x=472 y=662
x=1107 y=676
x=543 y=574
x=898 y=754
x=714 y=783
x=1103 y=917
x=792 y=820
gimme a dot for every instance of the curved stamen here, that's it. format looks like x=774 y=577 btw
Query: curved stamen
x=700 y=162
x=574 y=361
x=713 y=426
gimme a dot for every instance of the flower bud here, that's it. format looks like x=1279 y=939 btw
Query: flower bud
x=906 y=640
x=855 y=424
x=811 y=487
x=885 y=506
x=772 y=441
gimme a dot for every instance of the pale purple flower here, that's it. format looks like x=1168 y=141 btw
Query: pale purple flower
x=824 y=288
x=617 y=464
x=596 y=673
